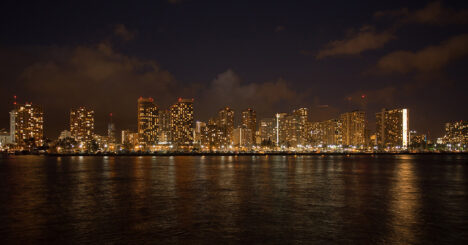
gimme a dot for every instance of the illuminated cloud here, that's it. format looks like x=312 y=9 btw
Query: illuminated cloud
x=365 y=39
x=121 y=31
x=431 y=58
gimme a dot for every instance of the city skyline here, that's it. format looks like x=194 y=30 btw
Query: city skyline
x=175 y=128
x=272 y=57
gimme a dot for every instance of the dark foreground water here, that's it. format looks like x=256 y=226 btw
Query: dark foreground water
x=262 y=200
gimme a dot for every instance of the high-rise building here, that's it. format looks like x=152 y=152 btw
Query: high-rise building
x=65 y=134
x=249 y=120
x=164 y=127
x=198 y=132
x=5 y=138
x=268 y=129
x=281 y=128
x=213 y=137
x=111 y=131
x=29 y=125
x=129 y=139
x=302 y=117
x=315 y=133
x=182 y=122
x=456 y=133
x=292 y=130
x=242 y=137
x=354 y=128
x=331 y=132
x=82 y=124
x=393 y=129
x=12 y=125
x=147 y=121
x=226 y=123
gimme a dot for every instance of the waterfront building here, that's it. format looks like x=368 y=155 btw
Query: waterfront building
x=242 y=137
x=456 y=133
x=164 y=127
x=147 y=122
x=82 y=124
x=354 y=128
x=267 y=130
x=393 y=129
x=331 y=132
x=225 y=122
x=213 y=137
x=302 y=117
x=65 y=134
x=249 y=120
x=28 y=125
x=198 y=132
x=5 y=138
x=314 y=133
x=281 y=128
x=182 y=123
x=129 y=139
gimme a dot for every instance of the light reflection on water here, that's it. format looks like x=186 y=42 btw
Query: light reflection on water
x=240 y=199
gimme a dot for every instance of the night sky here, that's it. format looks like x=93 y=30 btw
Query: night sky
x=273 y=56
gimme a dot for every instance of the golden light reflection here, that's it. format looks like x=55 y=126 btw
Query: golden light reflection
x=405 y=203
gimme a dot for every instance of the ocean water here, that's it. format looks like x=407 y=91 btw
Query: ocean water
x=407 y=199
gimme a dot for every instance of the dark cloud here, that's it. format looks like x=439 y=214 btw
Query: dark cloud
x=367 y=38
x=101 y=78
x=175 y=1
x=433 y=13
x=94 y=76
x=382 y=97
x=431 y=58
x=228 y=89
x=280 y=28
x=121 y=31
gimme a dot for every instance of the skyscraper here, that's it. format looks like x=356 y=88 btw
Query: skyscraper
x=249 y=120
x=332 y=132
x=29 y=125
x=182 y=122
x=302 y=115
x=111 y=131
x=280 y=129
x=242 y=137
x=226 y=123
x=164 y=127
x=82 y=124
x=267 y=129
x=393 y=129
x=147 y=121
x=354 y=128
x=456 y=133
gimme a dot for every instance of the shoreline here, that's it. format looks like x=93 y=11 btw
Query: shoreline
x=239 y=154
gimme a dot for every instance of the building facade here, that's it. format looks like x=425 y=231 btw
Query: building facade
x=147 y=122
x=354 y=128
x=392 y=129
x=456 y=133
x=225 y=122
x=249 y=120
x=182 y=122
x=82 y=124
x=29 y=125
